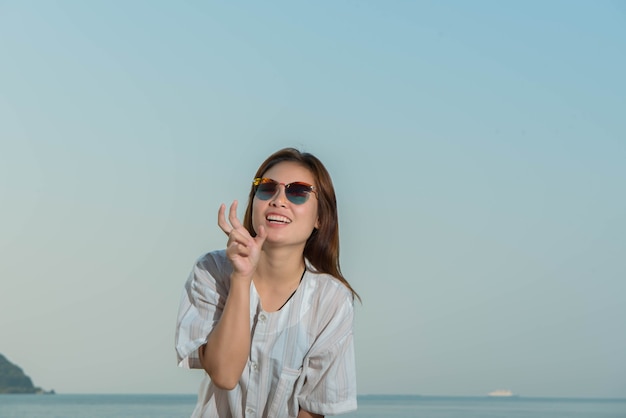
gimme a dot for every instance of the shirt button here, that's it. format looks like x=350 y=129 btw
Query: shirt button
x=262 y=317
x=249 y=410
x=254 y=366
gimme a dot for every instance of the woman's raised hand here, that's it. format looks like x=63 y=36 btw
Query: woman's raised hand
x=242 y=249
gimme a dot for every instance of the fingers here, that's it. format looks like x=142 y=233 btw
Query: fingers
x=261 y=235
x=240 y=241
x=221 y=220
x=232 y=216
x=238 y=244
x=242 y=249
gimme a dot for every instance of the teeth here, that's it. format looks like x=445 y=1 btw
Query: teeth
x=277 y=218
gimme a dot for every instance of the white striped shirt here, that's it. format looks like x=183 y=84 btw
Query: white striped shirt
x=301 y=356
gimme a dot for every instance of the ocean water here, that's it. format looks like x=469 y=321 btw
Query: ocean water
x=379 y=406
x=384 y=406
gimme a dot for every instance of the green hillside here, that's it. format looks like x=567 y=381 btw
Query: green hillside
x=13 y=379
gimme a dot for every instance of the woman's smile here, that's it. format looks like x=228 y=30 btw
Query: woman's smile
x=277 y=219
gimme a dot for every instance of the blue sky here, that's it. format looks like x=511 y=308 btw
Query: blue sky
x=478 y=151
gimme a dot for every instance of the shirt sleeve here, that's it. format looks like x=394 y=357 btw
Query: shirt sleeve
x=201 y=306
x=329 y=384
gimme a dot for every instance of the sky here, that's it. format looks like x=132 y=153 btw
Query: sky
x=478 y=151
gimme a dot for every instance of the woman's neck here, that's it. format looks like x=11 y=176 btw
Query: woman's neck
x=280 y=266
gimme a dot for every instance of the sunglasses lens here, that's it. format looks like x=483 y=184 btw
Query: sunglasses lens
x=265 y=191
x=298 y=193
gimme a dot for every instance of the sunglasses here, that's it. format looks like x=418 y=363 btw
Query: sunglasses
x=296 y=192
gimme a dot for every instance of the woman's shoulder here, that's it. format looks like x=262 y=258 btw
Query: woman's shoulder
x=215 y=263
x=214 y=257
x=327 y=288
x=329 y=302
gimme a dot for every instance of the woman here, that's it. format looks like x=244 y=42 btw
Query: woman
x=270 y=318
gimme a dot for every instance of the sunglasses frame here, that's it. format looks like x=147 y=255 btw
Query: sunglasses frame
x=265 y=180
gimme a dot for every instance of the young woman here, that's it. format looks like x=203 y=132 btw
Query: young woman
x=270 y=318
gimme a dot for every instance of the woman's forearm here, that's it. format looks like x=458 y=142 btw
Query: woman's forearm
x=306 y=414
x=226 y=352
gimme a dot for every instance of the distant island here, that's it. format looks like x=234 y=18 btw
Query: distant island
x=13 y=379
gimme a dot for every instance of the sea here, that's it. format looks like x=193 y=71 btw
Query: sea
x=370 y=406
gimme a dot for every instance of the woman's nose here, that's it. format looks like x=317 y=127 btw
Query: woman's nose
x=279 y=199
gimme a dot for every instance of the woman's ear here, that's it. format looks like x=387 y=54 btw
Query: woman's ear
x=317 y=223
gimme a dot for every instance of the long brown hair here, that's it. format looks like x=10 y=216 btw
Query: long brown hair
x=322 y=247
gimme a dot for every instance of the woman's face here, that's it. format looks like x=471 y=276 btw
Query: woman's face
x=286 y=223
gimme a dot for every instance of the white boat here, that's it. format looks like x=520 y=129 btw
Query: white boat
x=501 y=393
